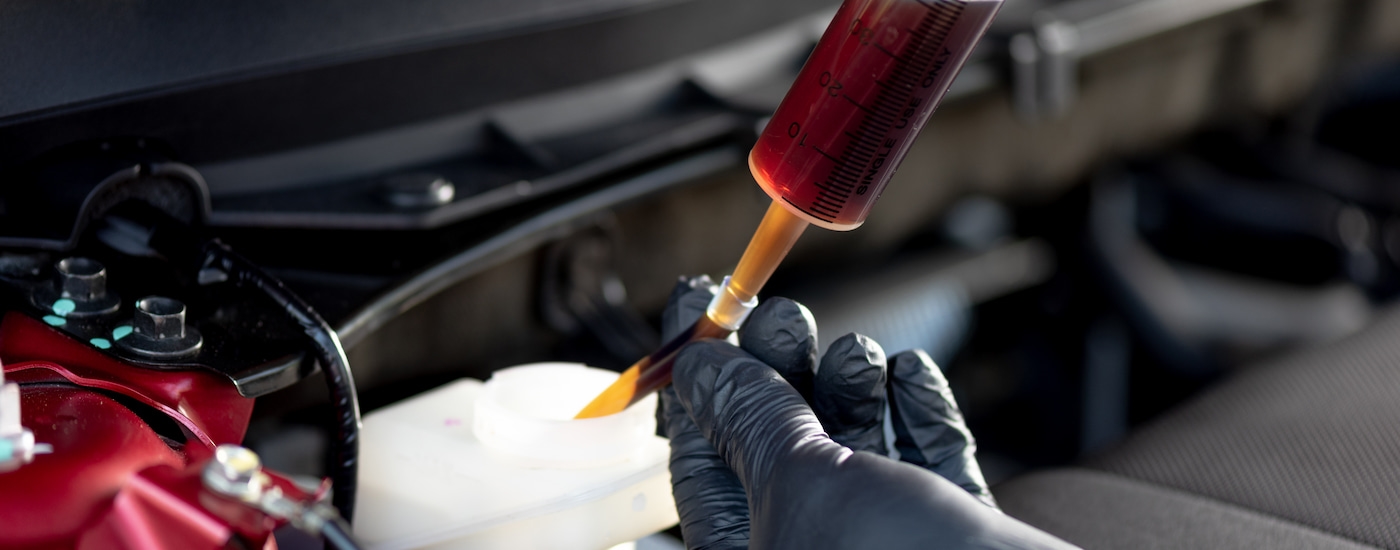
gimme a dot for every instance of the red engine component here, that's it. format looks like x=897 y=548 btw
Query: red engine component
x=104 y=420
x=165 y=508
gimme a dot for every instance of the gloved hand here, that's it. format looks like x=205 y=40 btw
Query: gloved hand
x=753 y=465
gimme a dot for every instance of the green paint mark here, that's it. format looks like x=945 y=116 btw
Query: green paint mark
x=55 y=320
x=121 y=332
x=63 y=307
x=7 y=450
x=101 y=343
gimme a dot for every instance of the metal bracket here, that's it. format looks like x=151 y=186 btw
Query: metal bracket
x=1045 y=60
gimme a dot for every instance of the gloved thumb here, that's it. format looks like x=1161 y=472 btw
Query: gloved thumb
x=751 y=415
x=713 y=508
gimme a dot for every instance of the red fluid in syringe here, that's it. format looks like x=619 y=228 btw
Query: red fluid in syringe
x=875 y=77
x=827 y=153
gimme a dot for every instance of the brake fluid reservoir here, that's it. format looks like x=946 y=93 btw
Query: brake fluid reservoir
x=503 y=465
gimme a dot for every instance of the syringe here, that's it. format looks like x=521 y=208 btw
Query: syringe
x=876 y=75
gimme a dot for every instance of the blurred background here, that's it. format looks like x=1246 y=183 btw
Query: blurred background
x=1118 y=203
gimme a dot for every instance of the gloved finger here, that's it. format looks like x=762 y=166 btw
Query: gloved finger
x=713 y=508
x=849 y=393
x=928 y=426
x=746 y=410
x=783 y=334
x=688 y=301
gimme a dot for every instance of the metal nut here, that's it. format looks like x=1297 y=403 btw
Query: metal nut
x=82 y=279
x=160 y=318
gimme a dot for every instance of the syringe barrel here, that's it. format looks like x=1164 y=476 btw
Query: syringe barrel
x=877 y=74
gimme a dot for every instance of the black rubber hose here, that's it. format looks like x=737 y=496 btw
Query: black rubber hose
x=345 y=445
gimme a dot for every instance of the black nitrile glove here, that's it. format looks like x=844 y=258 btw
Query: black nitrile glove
x=752 y=464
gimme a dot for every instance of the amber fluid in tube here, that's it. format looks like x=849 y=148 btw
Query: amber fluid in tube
x=877 y=74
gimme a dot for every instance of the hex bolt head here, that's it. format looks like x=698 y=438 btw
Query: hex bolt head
x=159 y=332
x=82 y=279
x=234 y=471
x=235 y=463
x=159 y=318
x=417 y=191
x=79 y=290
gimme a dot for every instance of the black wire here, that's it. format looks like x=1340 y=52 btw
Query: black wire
x=345 y=446
x=338 y=535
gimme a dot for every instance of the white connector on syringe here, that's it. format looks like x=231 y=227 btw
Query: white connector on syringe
x=727 y=309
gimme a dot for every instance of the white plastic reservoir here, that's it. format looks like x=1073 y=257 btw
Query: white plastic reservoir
x=503 y=465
